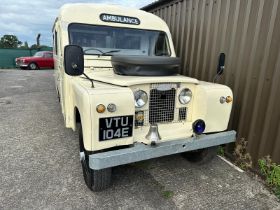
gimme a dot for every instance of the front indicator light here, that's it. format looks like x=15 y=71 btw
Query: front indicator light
x=229 y=99
x=199 y=127
x=185 y=96
x=100 y=108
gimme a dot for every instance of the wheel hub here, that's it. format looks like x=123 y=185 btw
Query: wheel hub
x=82 y=156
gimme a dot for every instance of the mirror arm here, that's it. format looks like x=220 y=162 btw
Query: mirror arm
x=222 y=68
x=216 y=78
x=92 y=85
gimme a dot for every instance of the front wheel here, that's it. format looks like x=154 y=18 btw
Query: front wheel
x=96 y=180
x=32 y=66
x=201 y=156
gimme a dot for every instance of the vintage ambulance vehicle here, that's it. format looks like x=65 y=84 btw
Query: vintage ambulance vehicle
x=117 y=78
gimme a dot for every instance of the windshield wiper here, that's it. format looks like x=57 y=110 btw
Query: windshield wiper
x=93 y=49
x=111 y=51
x=101 y=52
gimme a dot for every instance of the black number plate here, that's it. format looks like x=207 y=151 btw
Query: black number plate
x=115 y=127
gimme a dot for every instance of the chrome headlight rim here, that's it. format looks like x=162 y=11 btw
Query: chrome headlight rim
x=185 y=96
x=140 y=98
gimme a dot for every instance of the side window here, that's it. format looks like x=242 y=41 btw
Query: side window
x=55 y=42
x=162 y=48
x=48 y=55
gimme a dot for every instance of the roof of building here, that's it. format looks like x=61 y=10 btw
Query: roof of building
x=155 y=4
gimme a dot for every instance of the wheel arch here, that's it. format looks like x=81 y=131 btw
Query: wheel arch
x=78 y=110
x=77 y=117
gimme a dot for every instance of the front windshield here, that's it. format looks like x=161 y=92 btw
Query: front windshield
x=123 y=41
x=38 y=54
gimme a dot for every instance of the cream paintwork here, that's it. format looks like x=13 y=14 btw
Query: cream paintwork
x=76 y=93
x=109 y=76
x=207 y=106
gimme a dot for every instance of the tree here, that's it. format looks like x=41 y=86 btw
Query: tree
x=9 y=41
x=34 y=47
x=24 y=46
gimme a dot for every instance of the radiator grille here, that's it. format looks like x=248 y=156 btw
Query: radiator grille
x=162 y=105
x=162 y=99
x=180 y=115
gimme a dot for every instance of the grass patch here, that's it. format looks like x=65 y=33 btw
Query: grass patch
x=145 y=165
x=242 y=157
x=167 y=194
x=271 y=173
x=221 y=151
x=277 y=192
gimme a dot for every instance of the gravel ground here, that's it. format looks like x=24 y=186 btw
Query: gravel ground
x=40 y=166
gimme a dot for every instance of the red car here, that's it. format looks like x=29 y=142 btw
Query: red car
x=42 y=59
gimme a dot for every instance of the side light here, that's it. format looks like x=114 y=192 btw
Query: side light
x=112 y=107
x=223 y=99
x=139 y=118
x=199 y=127
x=100 y=108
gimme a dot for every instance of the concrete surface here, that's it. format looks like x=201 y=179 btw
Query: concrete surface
x=40 y=166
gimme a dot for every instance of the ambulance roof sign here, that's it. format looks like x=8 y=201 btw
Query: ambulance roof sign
x=119 y=19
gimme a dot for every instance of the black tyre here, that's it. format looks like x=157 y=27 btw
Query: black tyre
x=201 y=156
x=58 y=95
x=96 y=180
x=33 y=66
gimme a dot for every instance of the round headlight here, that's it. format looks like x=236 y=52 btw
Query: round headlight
x=185 y=96
x=140 y=98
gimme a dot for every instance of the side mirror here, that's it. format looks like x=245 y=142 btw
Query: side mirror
x=221 y=64
x=73 y=60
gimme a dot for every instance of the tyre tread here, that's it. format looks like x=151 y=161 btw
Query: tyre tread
x=96 y=180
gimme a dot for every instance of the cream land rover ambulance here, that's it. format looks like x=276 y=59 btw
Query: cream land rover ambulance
x=117 y=78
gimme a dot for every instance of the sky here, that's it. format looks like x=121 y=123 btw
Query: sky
x=27 y=18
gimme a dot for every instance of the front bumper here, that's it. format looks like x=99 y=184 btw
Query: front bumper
x=23 y=65
x=139 y=151
x=20 y=64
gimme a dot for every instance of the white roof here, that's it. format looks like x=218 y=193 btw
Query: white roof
x=89 y=13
